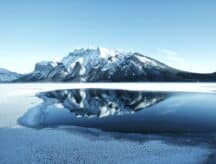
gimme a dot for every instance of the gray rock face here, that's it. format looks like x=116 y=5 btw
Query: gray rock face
x=101 y=65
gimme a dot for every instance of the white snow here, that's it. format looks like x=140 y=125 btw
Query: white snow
x=32 y=88
x=145 y=104
x=83 y=95
x=45 y=63
x=106 y=53
x=148 y=61
x=94 y=58
x=104 y=111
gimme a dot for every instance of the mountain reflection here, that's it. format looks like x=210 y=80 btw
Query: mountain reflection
x=124 y=111
x=103 y=103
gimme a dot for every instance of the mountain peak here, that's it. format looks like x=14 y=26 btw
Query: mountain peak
x=109 y=65
x=106 y=53
x=100 y=51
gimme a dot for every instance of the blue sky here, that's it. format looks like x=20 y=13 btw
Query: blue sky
x=180 y=33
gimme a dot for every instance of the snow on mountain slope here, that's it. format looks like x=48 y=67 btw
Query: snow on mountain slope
x=97 y=65
x=103 y=65
x=6 y=76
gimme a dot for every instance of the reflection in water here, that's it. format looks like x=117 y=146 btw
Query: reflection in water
x=122 y=111
x=103 y=103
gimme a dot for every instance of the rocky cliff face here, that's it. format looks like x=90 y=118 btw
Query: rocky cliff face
x=102 y=65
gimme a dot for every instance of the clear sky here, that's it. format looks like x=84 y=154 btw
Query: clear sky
x=180 y=33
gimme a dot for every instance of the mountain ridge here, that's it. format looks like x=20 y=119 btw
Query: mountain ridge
x=103 y=65
x=7 y=76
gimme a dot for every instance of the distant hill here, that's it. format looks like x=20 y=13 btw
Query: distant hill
x=7 y=76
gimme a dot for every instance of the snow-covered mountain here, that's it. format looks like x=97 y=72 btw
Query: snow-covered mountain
x=7 y=76
x=103 y=65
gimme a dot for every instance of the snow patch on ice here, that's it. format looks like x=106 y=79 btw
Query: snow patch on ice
x=49 y=112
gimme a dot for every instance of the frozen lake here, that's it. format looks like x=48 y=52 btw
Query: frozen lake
x=156 y=121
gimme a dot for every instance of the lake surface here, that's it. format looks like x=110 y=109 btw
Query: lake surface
x=82 y=122
x=118 y=109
